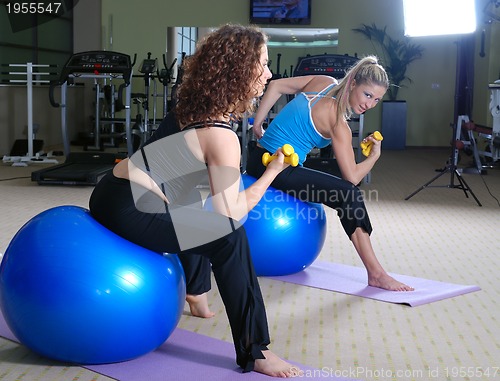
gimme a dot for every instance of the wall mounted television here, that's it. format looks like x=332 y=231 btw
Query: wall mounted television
x=284 y=12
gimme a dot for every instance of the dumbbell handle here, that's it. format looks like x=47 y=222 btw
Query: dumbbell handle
x=290 y=156
x=366 y=147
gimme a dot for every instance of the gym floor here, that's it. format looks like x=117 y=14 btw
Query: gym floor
x=438 y=234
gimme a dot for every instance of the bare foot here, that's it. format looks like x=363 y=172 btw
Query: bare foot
x=387 y=282
x=274 y=366
x=198 y=304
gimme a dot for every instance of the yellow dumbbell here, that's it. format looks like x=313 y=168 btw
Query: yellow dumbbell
x=290 y=156
x=366 y=147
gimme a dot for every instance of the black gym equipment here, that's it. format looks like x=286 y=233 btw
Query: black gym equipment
x=334 y=65
x=79 y=168
x=87 y=168
x=178 y=81
x=144 y=125
x=165 y=76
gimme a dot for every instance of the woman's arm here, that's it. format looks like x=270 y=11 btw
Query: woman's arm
x=344 y=154
x=222 y=154
x=279 y=87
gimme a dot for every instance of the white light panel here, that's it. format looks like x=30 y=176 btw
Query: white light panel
x=439 y=17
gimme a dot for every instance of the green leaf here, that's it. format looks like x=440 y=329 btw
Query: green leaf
x=395 y=55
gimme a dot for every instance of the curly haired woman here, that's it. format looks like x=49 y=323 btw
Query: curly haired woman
x=145 y=198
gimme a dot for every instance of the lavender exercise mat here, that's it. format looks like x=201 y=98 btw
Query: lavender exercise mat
x=353 y=280
x=188 y=356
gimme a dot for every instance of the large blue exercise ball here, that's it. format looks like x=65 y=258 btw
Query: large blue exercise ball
x=286 y=235
x=73 y=291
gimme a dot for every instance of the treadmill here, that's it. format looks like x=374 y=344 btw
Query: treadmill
x=87 y=168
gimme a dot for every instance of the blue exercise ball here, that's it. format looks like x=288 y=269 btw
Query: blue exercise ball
x=74 y=291
x=286 y=235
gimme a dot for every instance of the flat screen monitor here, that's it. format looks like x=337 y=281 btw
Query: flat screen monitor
x=285 y=12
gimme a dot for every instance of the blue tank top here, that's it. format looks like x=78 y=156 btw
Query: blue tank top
x=294 y=125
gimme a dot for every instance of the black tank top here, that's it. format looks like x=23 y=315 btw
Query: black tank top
x=170 y=162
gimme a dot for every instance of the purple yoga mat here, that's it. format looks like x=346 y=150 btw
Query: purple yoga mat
x=353 y=280
x=188 y=356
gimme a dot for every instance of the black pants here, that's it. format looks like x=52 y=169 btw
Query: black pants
x=305 y=184
x=148 y=223
x=319 y=187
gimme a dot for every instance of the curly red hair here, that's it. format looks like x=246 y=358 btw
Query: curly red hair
x=219 y=77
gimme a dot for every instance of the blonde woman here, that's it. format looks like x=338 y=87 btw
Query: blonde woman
x=317 y=117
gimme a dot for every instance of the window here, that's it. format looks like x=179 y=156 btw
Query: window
x=186 y=41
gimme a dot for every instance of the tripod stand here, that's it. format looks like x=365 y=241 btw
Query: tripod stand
x=451 y=168
x=463 y=105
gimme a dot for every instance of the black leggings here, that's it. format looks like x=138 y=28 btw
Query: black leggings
x=305 y=184
x=149 y=224
x=315 y=186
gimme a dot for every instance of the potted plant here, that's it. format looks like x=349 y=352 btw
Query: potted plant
x=395 y=56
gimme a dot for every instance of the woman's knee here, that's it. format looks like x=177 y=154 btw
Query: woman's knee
x=233 y=244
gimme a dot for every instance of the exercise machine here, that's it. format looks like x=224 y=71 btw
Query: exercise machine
x=165 y=76
x=483 y=142
x=334 y=65
x=29 y=153
x=87 y=168
x=493 y=138
x=490 y=155
x=145 y=123
x=143 y=126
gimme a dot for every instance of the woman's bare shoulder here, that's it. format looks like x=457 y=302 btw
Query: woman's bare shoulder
x=319 y=83
x=219 y=140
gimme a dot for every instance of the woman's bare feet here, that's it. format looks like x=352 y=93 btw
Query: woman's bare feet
x=198 y=304
x=274 y=366
x=387 y=282
x=377 y=277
